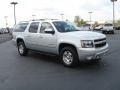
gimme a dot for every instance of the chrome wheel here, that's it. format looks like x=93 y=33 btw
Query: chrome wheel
x=21 y=49
x=67 y=57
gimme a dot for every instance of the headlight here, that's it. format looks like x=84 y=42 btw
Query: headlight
x=87 y=44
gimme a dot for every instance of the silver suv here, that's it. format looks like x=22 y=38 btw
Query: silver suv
x=59 y=38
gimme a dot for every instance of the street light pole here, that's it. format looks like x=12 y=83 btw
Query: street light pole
x=14 y=3
x=113 y=1
x=33 y=17
x=6 y=22
x=90 y=15
x=62 y=15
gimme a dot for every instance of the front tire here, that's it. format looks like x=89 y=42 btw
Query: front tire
x=69 y=56
x=22 y=49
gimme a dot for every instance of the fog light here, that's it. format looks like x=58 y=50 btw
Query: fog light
x=89 y=57
x=97 y=57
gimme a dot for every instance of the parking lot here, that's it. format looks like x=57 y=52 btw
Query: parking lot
x=42 y=72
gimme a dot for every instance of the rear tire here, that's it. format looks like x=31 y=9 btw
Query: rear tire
x=69 y=56
x=22 y=49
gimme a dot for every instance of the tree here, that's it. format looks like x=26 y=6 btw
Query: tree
x=95 y=24
x=118 y=22
x=78 y=21
x=82 y=22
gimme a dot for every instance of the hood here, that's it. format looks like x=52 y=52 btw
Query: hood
x=84 y=35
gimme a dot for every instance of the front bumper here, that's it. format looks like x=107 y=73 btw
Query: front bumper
x=108 y=30
x=92 y=53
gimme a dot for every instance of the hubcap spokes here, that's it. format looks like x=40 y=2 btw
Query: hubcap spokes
x=21 y=49
x=67 y=57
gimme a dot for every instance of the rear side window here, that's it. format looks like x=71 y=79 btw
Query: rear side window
x=20 y=27
x=34 y=27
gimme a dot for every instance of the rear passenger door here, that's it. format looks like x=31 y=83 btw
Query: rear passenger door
x=32 y=36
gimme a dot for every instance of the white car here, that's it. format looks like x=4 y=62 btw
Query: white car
x=87 y=27
x=98 y=28
x=108 y=28
x=59 y=38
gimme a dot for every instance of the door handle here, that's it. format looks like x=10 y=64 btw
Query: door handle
x=28 y=36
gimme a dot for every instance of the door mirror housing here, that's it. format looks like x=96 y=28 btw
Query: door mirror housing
x=49 y=31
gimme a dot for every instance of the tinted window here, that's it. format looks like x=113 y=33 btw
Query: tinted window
x=62 y=26
x=34 y=27
x=20 y=27
x=45 y=25
x=108 y=25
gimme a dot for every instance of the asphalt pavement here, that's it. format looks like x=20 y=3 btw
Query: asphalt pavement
x=42 y=72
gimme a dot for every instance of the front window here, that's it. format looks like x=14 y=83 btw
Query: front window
x=45 y=25
x=63 y=26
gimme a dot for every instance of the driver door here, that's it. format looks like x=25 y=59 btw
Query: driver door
x=47 y=41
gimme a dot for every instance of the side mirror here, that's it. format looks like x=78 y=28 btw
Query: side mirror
x=49 y=31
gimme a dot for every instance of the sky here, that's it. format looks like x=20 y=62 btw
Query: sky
x=102 y=10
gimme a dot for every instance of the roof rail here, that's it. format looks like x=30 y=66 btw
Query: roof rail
x=44 y=19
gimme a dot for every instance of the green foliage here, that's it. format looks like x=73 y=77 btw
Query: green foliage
x=118 y=22
x=95 y=24
x=78 y=21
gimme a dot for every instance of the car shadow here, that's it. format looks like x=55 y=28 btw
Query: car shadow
x=44 y=57
x=101 y=65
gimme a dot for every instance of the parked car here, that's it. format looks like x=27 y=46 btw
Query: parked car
x=98 y=27
x=3 y=31
x=86 y=27
x=108 y=28
x=117 y=27
x=59 y=38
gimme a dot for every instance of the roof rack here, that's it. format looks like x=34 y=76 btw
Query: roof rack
x=44 y=19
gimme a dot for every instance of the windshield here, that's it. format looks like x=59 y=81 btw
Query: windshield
x=63 y=26
x=108 y=25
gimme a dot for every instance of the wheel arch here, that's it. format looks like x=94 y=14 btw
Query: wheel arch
x=19 y=40
x=62 y=45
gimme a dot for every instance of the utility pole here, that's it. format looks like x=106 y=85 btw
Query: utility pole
x=6 y=22
x=113 y=1
x=62 y=16
x=90 y=15
x=33 y=17
x=14 y=3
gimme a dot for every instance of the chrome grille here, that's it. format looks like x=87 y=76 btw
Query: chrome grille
x=100 y=42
